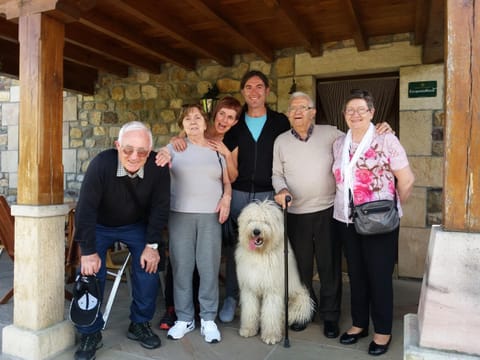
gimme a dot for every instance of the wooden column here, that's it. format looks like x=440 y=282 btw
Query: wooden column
x=448 y=317
x=462 y=120
x=40 y=170
x=38 y=314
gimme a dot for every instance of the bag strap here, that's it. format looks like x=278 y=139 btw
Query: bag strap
x=352 y=206
x=221 y=167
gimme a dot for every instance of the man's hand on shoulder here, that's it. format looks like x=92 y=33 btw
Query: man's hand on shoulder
x=163 y=157
x=384 y=128
x=179 y=143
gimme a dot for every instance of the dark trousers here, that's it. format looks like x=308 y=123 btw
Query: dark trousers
x=144 y=285
x=370 y=261
x=311 y=238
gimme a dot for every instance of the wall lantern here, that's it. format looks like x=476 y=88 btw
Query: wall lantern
x=210 y=99
x=293 y=88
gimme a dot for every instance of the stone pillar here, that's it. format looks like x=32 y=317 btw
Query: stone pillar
x=39 y=329
x=448 y=320
x=448 y=316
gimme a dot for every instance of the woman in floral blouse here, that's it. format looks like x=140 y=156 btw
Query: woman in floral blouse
x=368 y=165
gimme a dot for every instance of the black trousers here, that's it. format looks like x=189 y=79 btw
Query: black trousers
x=311 y=237
x=370 y=261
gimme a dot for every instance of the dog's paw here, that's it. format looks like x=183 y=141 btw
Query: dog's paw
x=247 y=332
x=271 y=339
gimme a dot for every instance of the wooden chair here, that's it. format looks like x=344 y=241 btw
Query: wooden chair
x=7 y=237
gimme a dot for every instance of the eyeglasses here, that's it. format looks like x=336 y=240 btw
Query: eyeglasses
x=301 y=108
x=359 y=111
x=129 y=150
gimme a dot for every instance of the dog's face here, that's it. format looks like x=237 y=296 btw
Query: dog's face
x=260 y=226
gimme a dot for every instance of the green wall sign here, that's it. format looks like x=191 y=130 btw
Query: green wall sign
x=422 y=89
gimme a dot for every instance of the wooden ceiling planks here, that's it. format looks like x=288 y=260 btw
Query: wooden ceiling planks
x=112 y=35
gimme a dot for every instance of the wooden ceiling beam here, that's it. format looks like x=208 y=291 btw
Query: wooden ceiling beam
x=147 y=11
x=433 y=46
x=254 y=42
x=421 y=21
x=358 y=33
x=109 y=27
x=87 y=39
x=79 y=78
x=13 y=9
x=285 y=9
x=67 y=11
x=75 y=77
x=9 y=53
x=73 y=53
x=73 y=9
x=8 y=30
x=79 y=55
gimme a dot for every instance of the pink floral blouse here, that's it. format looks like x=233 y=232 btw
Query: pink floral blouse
x=373 y=178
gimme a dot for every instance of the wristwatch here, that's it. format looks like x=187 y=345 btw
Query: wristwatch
x=153 y=246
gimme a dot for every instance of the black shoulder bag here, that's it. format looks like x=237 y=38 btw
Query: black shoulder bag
x=375 y=217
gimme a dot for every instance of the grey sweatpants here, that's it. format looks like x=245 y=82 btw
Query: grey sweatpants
x=195 y=238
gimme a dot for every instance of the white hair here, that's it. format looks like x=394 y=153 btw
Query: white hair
x=299 y=94
x=134 y=125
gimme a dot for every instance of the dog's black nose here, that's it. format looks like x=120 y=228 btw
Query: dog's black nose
x=256 y=232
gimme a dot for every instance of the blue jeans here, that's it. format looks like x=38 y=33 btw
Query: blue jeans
x=144 y=285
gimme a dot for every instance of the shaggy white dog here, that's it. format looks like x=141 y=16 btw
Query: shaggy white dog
x=261 y=273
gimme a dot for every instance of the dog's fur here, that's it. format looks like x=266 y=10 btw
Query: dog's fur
x=261 y=273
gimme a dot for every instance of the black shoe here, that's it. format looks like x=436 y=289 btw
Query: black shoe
x=143 y=333
x=330 y=329
x=376 y=349
x=168 y=319
x=89 y=344
x=349 y=339
x=298 y=326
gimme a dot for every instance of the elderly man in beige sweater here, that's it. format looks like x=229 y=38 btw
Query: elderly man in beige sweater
x=302 y=169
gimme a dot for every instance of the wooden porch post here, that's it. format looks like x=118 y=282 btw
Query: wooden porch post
x=462 y=120
x=448 y=316
x=40 y=169
x=39 y=329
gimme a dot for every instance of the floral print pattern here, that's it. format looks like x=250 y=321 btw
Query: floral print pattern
x=373 y=177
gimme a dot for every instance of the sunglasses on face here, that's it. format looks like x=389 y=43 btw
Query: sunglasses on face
x=129 y=150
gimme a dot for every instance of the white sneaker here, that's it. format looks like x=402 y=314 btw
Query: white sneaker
x=180 y=328
x=210 y=331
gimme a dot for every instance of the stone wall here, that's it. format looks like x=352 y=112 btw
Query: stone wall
x=91 y=123
x=421 y=129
